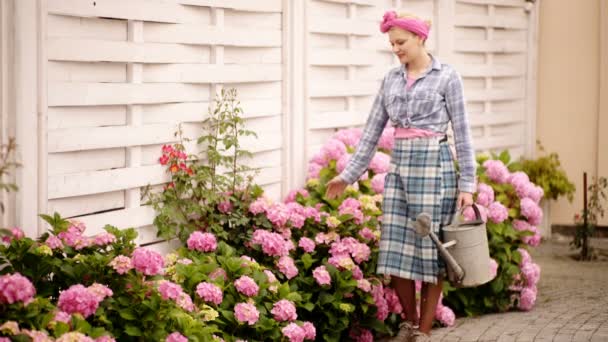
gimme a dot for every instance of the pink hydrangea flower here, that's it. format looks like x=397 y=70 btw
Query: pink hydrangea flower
x=469 y=213
x=364 y=285
x=392 y=300
x=202 y=242
x=176 y=337
x=307 y=245
x=121 y=264
x=535 y=193
x=247 y=286
x=496 y=171
x=67 y=337
x=367 y=234
x=342 y=162
x=378 y=183
x=380 y=163
x=527 y=298
x=497 y=212
x=362 y=335
x=104 y=239
x=531 y=211
x=246 y=313
x=16 y=288
x=485 y=194
x=309 y=331
x=210 y=293
x=287 y=267
x=217 y=273
x=445 y=315
x=54 y=242
x=284 y=310
x=533 y=240
x=225 y=207
x=525 y=256
x=387 y=139
x=105 y=338
x=333 y=149
x=380 y=301
x=531 y=272
x=61 y=316
x=278 y=214
x=291 y=196
x=321 y=275
x=350 y=137
x=314 y=170
x=147 y=261
x=259 y=205
x=169 y=290
x=101 y=291
x=294 y=332
x=78 y=299
x=185 y=302
x=273 y=244
x=493 y=268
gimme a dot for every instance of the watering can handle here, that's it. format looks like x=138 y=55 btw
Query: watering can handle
x=477 y=219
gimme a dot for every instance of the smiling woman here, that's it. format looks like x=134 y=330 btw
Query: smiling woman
x=420 y=97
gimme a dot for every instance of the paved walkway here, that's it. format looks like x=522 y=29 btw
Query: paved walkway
x=572 y=303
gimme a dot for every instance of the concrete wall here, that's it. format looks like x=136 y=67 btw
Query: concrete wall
x=569 y=120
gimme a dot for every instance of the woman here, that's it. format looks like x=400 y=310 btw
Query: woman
x=421 y=97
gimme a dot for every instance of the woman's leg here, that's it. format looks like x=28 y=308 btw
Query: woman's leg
x=430 y=294
x=406 y=291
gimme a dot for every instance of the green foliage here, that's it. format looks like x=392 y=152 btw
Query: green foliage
x=7 y=165
x=587 y=221
x=546 y=171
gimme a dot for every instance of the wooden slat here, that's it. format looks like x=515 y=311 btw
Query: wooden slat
x=342 y=57
x=333 y=88
x=496 y=118
x=269 y=176
x=496 y=21
x=499 y=142
x=93 y=94
x=122 y=218
x=498 y=46
x=494 y=95
x=342 y=26
x=336 y=119
x=93 y=50
x=356 y=2
x=208 y=73
x=488 y=70
x=69 y=117
x=240 y=5
x=212 y=35
x=80 y=205
x=89 y=138
x=86 y=183
x=102 y=159
x=147 y=10
x=505 y=3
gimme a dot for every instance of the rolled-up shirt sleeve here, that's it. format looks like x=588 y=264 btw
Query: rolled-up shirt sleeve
x=455 y=103
x=366 y=148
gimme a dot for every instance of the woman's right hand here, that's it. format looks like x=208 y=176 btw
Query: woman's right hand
x=335 y=187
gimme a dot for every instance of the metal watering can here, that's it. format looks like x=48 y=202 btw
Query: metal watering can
x=466 y=253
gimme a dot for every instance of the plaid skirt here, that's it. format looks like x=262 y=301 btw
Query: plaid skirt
x=422 y=178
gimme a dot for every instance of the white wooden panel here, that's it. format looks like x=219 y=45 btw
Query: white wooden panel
x=77 y=139
x=210 y=73
x=342 y=57
x=60 y=163
x=68 y=71
x=336 y=119
x=148 y=10
x=494 y=94
x=330 y=25
x=485 y=21
x=89 y=94
x=211 y=35
x=242 y=5
x=249 y=55
x=489 y=70
x=507 y=3
x=91 y=50
x=490 y=46
x=74 y=206
x=122 y=218
x=69 y=117
x=92 y=182
x=86 y=28
x=356 y=2
x=332 y=88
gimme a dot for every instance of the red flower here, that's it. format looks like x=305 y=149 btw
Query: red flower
x=164 y=159
x=174 y=168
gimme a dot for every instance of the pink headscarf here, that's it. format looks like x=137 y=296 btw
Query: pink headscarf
x=416 y=26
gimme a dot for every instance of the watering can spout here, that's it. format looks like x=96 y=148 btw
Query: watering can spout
x=423 y=228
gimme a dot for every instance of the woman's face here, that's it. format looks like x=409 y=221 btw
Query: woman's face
x=405 y=45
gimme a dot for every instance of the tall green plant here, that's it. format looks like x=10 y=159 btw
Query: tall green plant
x=7 y=165
x=206 y=183
x=592 y=213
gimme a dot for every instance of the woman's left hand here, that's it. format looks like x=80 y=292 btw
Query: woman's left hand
x=464 y=199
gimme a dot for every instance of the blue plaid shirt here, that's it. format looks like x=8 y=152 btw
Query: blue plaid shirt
x=435 y=99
